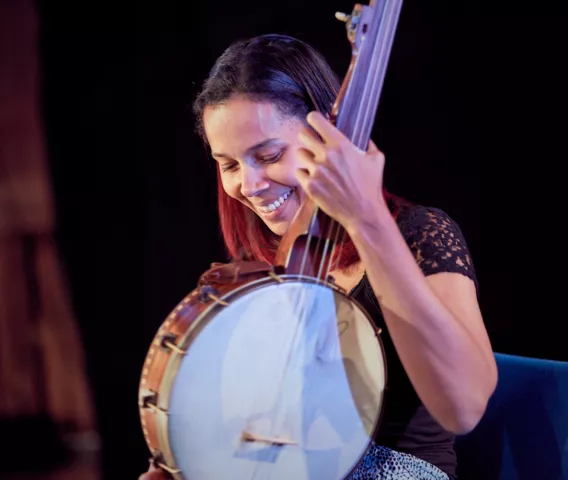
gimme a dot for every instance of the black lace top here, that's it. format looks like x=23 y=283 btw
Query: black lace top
x=438 y=246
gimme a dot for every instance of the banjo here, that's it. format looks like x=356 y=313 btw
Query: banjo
x=273 y=372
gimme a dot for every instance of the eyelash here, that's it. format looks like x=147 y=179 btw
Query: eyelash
x=273 y=158
x=269 y=159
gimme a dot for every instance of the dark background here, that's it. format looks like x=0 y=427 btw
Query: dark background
x=468 y=121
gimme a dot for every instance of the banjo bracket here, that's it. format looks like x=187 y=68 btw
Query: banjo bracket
x=149 y=400
x=208 y=293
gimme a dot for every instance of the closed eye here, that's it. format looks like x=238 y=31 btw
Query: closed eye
x=272 y=158
x=229 y=167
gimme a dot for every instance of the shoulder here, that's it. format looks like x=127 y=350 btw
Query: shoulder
x=416 y=219
x=435 y=239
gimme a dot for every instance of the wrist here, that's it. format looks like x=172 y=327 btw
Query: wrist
x=373 y=225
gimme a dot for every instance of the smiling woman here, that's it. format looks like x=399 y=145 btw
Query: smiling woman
x=264 y=112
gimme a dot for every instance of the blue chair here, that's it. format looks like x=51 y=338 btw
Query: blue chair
x=524 y=432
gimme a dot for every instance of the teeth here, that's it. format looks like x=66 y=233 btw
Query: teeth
x=273 y=206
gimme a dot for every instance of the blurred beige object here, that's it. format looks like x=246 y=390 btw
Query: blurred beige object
x=41 y=355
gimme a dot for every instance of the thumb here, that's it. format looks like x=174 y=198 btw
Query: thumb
x=154 y=474
x=372 y=148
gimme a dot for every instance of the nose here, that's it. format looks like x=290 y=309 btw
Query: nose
x=252 y=181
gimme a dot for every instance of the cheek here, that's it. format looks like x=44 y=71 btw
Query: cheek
x=231 y=185
x=284 y=171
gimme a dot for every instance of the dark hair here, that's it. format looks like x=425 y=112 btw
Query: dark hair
x=279 y=69
x=294 y=77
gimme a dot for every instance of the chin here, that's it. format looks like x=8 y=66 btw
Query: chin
x=278 y=228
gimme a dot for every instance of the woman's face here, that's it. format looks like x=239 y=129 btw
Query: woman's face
x=256 y=149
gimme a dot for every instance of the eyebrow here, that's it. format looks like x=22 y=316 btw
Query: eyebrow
x=256 y=146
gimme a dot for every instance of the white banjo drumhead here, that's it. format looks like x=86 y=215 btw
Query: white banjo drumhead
x=294 y=365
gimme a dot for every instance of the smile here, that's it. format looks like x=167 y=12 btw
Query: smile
x=276 y=205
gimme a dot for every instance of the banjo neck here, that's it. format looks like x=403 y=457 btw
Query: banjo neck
x=309 y=245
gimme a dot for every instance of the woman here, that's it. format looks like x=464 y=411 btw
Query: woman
x=263 y=112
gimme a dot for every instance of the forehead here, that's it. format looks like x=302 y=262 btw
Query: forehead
x=239 y=123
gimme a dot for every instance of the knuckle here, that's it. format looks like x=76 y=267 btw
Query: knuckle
x=318 y=172
x=344 y=145
x=333 y=154
x=311 y=186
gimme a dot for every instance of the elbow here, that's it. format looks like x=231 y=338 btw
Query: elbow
x=469 y=411
x=463 y=420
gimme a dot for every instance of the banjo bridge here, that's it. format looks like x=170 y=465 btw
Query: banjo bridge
x=251 y=437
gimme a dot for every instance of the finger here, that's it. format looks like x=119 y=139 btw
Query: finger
x=303 y=178
x=154 y=475
x=309 y=140
x=330 y=134
x=372 y=148
x=307 y=160
x=316 y=183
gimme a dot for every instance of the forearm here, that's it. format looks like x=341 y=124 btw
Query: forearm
x=447 y=366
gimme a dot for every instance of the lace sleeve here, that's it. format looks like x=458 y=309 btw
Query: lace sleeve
x=436 y=242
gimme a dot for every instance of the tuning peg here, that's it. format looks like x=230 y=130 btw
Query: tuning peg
x=342 y=17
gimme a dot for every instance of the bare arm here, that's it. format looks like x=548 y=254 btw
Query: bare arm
x=435 y=324
x=434 y=321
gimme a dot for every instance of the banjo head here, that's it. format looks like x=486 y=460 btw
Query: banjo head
x=285 y=381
